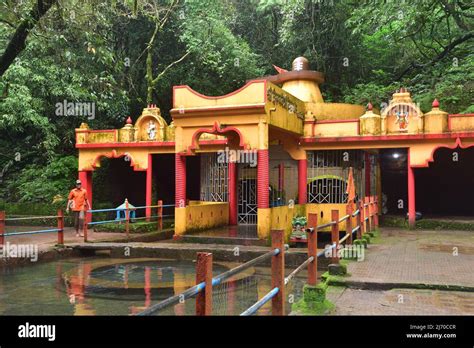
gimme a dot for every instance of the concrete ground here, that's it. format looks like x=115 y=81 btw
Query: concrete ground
x=418 y=257
x=46 y=241
x=411 y=273
x=401 y=302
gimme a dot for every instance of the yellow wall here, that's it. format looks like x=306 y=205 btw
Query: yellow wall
x=326 y=210
x=251 y=93
x=203 y=215
x=339 y=129
x=137 y=155
x=462 y=123
x=281 y=218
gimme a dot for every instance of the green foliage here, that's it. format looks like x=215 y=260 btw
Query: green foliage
x=91 y=51
x=43 y=184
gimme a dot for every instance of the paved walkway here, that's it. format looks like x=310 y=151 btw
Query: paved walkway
x=401 y=302
x=418 y=257
x=46 y=241
x=398 y=263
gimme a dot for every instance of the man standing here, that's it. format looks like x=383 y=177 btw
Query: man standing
x=77 y=201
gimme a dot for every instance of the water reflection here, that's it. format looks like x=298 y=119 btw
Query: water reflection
x=98 y=286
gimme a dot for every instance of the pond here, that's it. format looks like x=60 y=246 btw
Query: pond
x=105 y=286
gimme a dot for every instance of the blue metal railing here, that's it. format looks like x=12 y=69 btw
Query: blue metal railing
x=31 y=232
x=260 y=303
x=193 y=291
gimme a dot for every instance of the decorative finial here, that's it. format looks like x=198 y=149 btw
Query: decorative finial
x=279 y=70
x=369 y=106
x=435 y=103
x=300 y=63
x=129 y=120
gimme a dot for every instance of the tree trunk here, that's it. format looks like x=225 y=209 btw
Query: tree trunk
x=18 y=42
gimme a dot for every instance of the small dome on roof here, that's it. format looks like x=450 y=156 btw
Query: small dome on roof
x=300 y=63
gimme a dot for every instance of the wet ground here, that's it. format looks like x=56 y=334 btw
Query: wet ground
x=409 y=273
x=401 y=302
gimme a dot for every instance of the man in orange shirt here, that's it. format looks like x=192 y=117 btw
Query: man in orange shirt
x=78 y=201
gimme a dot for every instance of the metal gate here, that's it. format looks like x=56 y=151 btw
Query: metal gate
x=247 y=194
x=328 y=172
x=214 y=178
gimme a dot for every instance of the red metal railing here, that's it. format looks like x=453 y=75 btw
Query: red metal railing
x=59 y=230
x=205 y=282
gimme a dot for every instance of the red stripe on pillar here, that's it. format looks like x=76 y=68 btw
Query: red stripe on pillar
x=149 y=176
x=411 y=194
x=180 y=194
x=302 y=181
x=232 y=193
x=263 y=195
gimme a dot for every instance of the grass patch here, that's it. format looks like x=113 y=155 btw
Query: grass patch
x=428 y=224
x=135 y=227
x=314 y=301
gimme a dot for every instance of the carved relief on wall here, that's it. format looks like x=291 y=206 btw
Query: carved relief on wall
x=150 y=126
x=402 y=115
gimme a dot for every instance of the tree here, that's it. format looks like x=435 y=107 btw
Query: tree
x=18 y=41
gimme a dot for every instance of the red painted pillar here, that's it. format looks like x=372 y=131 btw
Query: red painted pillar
x=302 y=180
x=232 y=193
x=411 y=194
x=86 y=179
x=367 y=174
x=149 y=180
x=180 y=194
x=263 y=195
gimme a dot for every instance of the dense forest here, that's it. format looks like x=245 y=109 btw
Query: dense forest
x=123 y=54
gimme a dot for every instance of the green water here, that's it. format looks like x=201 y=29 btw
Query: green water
x=104 y=286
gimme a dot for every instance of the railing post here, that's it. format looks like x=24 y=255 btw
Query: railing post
x=367 y=214
x=312 y=232
x=360 y=231
x=60 y=227
x=376 y=212
x=313 y=220
x=2 y=227
x=160 y=215
x=372 y=213
x=204 y=274
x=278 y=272
x=127 y=218
x=349 y=223
x=335 y=235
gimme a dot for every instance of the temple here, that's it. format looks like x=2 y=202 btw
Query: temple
x=274 y=149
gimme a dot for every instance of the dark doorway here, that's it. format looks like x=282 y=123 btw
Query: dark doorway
x=163 y=182
x=393 y=168
x=446 y=187
x=116 y=180
x=193 y=178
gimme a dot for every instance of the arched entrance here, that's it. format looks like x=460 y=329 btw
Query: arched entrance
x=446 y=186
x=114 y=180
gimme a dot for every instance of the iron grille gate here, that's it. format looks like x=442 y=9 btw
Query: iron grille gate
x=247 y=194
x=328 y=172
x=214 y=178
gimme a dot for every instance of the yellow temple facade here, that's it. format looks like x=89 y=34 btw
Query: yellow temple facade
x=289 y=150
